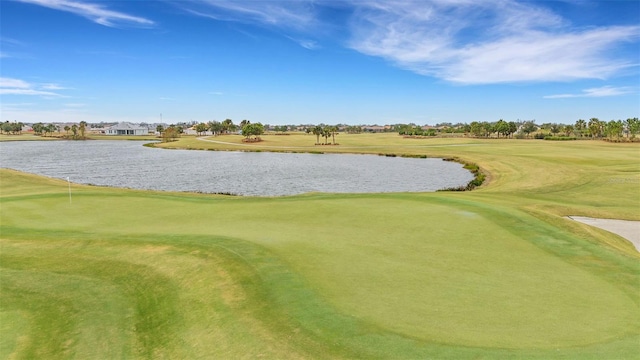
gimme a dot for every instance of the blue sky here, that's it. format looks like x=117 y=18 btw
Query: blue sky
x=298 y=62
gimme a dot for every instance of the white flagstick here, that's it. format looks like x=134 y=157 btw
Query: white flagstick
x=69 y=181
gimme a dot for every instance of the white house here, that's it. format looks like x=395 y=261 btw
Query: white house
x=125 y=128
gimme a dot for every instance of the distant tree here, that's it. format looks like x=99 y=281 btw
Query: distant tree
x=281 y=128
x=170 y=134
x=66 y=129
x=476 y=129
x=201 y=128
x=74 y=130
x=216 y=127
x=82 y=128
x=326 y=133
x=512 y=128
x=160 y=129
x=6 y=127
x=317 y=131
x=255 y=130
x=555 y=128
x=501 y=127
x=614 y=128
x=580 y=126
x=37 y=128
x=633 y=127
x=488 y=128
x=11 y=127
x=595 y=127
x=243 y=123
x=568 y=129
x=334 y=132
x=228 y=126
x=528 y=127
x=354 y=129
x=48 y=129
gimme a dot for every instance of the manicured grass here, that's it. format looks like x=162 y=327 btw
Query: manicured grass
x=25 y=137
x=493 y=273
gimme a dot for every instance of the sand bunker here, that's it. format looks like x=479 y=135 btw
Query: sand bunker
x=629 y=230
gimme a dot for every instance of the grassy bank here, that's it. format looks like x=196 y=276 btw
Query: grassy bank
x=492 y=273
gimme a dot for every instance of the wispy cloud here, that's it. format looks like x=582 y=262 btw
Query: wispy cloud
x=459 y=41
x=52 y=86
x=604 y=91
x=11 y=86
x=283 y=14
x=477 y=42
x=13 y=83
x=94 y=12
x=306 y=43
x=287 y=16
x=11 y=48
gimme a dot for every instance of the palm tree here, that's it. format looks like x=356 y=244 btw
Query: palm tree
x=66 y=129
x=317 y=131
x=595 y=127
x=633 y=126
x=334 y=131
x=568 y=129
x=326 y=132
x=227 y=125
x=614 y=128
x=82 y=128
x=580 y=125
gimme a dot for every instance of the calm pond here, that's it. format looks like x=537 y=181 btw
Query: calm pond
x=128 y=164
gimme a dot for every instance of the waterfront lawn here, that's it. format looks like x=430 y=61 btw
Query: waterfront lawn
x=493 y=273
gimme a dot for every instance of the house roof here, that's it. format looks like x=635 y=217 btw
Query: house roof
x=126 y=126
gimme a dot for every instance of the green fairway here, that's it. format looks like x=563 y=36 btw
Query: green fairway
x=493 y=273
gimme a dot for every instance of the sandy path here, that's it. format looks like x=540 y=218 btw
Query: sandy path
x=629 y=230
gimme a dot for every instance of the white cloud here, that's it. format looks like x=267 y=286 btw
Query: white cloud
x=13 y=83
x=476 y=42
x=15 y=91
x=52 y=86
x=94 y=12
x=10 y=86
x=603 y=91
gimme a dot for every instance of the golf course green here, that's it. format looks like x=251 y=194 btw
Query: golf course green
x=493 y=273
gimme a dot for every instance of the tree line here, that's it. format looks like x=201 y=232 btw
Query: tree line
x=13 y=128
x=326 y=131
x=251 y=131
x=593 y=128
x=41 y=129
